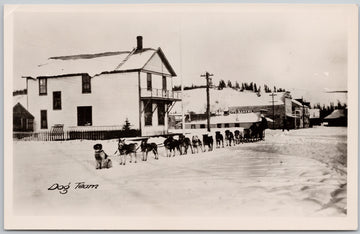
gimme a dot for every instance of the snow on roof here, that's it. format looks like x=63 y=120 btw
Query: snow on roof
x=22 y=99
x=92 y=66
x=233 y=118
x=336 y=114
x=137 y=60
x=252 y=99
x=296 y=102
x=95 y=64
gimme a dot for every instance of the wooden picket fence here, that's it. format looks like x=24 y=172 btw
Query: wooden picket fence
x=75 y=134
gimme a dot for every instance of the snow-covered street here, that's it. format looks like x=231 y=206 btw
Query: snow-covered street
x=297 y=173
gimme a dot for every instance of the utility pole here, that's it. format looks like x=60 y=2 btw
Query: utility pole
x=208 y=83
x=273 y=107
x=303 y=111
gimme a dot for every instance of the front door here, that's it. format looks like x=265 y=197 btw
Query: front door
x=84 y=114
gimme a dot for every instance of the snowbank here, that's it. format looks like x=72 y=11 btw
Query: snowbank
x=296 y=173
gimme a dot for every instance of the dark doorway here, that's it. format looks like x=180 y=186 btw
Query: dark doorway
x=43 y=119
x=84 y=114
x=161 y=113
x=148 y=113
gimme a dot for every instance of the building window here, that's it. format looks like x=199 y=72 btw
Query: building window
x=43 y=119
x=84 y=115
x=148 y=113
x=86 y=84
x=237 y=124
x=161 y=113
x=193 y=126
x=227 y=125
x=57 y=100
x=148 y=81
x=202 y=125
x=164 y=85
x=218 y=125
x=42 y=86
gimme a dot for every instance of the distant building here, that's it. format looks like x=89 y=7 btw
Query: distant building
x=278 y=108
x=337 y=118
x=23 y=121
x=243 y=120
x=301 y=112
x=314 y=117
x=103 y=90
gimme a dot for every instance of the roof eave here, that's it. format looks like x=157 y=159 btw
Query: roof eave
x=165 y=61
x=84 y=73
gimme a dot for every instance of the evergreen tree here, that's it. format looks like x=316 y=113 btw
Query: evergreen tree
x=255 y=88
x=341 y=106
x=332 y=107
x=237 y=86
x=176 y=88
x=242 y=87
x=259 y=91
x=229 y=84
x=221 y=85
x=127 y=125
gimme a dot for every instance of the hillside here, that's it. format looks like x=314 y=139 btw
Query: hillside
x=22 y=99
x=194 y=100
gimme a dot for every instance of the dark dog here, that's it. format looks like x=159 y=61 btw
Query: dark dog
x=196 y=143
x=146 y=147
x=171 y=145
x=219 y=139
x=125 y=149
x=208 y=141
x=185 y=143
x=263 y=126
x=229 y=137
x=254 y=132
x=102 y=160
x=247 y=135
x=238 y=137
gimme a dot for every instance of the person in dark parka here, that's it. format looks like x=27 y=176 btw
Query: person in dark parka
x=263 y=126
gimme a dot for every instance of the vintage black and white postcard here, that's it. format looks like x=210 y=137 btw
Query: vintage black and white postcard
x=181 y=116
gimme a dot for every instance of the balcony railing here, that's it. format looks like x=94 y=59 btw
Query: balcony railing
x=160 y=93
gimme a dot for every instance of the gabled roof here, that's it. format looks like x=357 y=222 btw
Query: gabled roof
x=96 y=64
x=296 y=102
x=18 y=109
x=336 y=114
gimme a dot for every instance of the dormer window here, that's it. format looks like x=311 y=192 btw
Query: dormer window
x=86 y=84
x=42 y=86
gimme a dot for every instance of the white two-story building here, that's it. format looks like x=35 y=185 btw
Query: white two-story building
x=103 y=90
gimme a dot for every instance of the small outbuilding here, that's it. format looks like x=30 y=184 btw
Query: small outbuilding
x=337 y=118
x=23 y=121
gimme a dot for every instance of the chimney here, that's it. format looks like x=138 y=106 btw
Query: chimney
x=139 y=43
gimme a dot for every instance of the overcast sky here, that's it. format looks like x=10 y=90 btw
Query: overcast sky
x=301 y=49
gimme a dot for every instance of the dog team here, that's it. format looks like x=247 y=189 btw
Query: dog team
x=182 y=145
